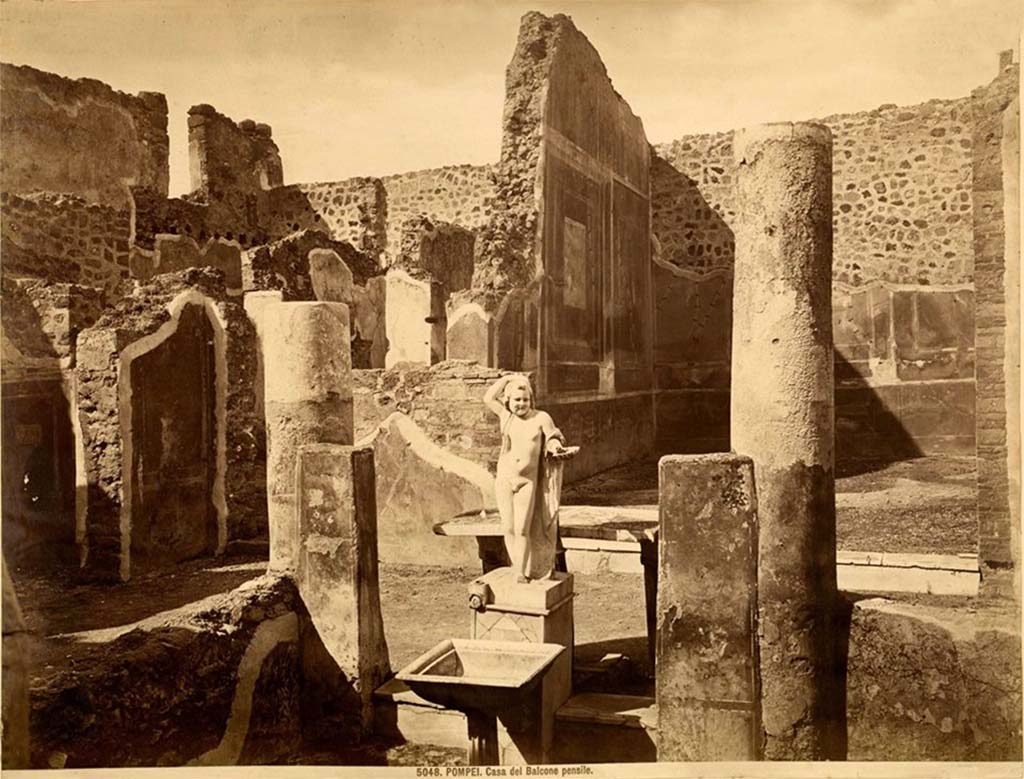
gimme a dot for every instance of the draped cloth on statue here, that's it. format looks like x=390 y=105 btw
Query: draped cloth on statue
x=542 y=547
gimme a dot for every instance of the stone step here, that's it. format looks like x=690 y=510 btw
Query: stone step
x=589 y=727
x=606 y=728
x=401 y=714
x=937 y=574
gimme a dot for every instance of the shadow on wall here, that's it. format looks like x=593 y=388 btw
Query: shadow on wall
x=38 y=477
x=868 y=432
x=875 y=329
x=693 y=314
x=37 y=441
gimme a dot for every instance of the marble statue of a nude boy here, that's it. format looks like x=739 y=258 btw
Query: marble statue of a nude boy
x=525 y=431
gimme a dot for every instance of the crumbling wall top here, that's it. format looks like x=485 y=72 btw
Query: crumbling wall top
x=227 y=157
x=80 y=136
x=557 y=92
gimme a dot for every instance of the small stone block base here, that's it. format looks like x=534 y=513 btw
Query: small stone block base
x=534 y=595
x=553 y=627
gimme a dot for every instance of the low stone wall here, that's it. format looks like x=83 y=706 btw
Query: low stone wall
x=221 y=686
x=445 y=400
x=933 y=683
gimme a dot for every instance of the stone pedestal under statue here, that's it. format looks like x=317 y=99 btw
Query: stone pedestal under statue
x=538 y=611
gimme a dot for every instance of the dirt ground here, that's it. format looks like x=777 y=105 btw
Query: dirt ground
x=924 y=505
x=921 y=505
x=421 y=605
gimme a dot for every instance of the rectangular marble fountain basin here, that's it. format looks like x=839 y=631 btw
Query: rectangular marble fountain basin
x=485 y=676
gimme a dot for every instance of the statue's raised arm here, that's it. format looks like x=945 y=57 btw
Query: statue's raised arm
x=527 y=486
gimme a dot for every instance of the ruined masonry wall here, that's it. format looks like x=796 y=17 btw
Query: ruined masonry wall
x=42 y=319
x=446 y=400
x=284 y=264
x=64 y=239
x=901 y=193
x=353 y=211
x=155 y=214
x=229 y=161
x=505 y=244
x=98 y=353
x=459 y=194
x=80 y=137
x=439 y=249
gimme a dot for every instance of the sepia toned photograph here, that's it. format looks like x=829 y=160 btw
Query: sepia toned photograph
x=509 y=388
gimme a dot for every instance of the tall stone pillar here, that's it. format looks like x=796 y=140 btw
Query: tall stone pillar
x=782 y=416
x=344 y=654
x=308 y=400
x=707 y=607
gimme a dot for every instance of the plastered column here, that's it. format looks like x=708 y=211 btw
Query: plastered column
x=308 y=400
x=782 y=416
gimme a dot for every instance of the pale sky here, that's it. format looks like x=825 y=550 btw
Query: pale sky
x=364 y=88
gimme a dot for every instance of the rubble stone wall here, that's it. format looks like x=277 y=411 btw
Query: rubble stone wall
x=231 y=165
x=903 y=281
x=458 y=194
x=63 y=238
x=353 y=210
x=901 y=194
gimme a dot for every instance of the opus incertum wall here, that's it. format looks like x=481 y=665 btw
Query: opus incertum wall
x=902 y=285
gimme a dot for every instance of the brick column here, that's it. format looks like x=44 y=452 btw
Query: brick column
x=995 y=161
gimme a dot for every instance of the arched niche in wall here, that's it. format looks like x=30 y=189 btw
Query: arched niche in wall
x=173 y=447
x=154 y=450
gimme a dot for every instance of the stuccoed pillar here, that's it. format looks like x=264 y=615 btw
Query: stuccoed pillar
x=307 y=399
x=782 y=416
x=707 y=687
